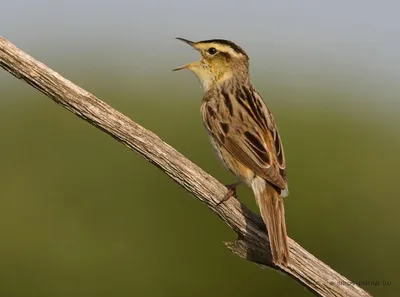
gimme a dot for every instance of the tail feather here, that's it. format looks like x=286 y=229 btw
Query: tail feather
x=273 y=214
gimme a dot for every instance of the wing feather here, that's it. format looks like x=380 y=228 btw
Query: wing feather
x=251 y=138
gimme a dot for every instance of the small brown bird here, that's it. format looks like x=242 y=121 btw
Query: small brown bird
x=243 y=132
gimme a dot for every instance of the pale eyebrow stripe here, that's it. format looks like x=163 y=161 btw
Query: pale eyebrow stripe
x=226 y=49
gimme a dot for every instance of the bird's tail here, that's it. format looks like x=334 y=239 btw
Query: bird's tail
x=273 y=214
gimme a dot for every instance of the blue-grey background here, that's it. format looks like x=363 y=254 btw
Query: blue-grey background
x=81 y=215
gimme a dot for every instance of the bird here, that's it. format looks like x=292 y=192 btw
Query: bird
x=243 y=133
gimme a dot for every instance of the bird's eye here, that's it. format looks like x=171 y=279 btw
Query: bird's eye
x=212 y=50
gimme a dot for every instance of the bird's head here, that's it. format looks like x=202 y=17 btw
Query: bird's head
x=220 y=60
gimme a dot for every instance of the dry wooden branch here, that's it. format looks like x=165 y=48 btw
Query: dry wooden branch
x=252 y=243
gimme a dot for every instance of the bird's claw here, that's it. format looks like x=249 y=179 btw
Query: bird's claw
x=231 y=192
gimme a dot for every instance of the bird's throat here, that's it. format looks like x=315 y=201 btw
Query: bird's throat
x=208 y=80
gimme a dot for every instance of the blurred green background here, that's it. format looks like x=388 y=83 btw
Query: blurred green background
x=80 y=215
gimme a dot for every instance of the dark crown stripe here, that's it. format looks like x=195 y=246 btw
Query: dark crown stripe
x=232 y=45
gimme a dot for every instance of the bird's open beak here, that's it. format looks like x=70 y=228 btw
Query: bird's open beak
x=186 y=66
x=189 y=65
x=191 y=43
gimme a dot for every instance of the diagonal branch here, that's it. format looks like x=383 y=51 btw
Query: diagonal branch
x=252 y=243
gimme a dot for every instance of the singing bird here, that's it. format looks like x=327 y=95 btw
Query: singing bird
x=243 y=132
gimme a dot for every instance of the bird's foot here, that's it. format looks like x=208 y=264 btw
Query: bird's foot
x=231 y=192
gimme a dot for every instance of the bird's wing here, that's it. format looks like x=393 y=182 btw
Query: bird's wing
x=244 y=126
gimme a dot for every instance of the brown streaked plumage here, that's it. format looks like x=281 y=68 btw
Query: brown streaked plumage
x=243 y=132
